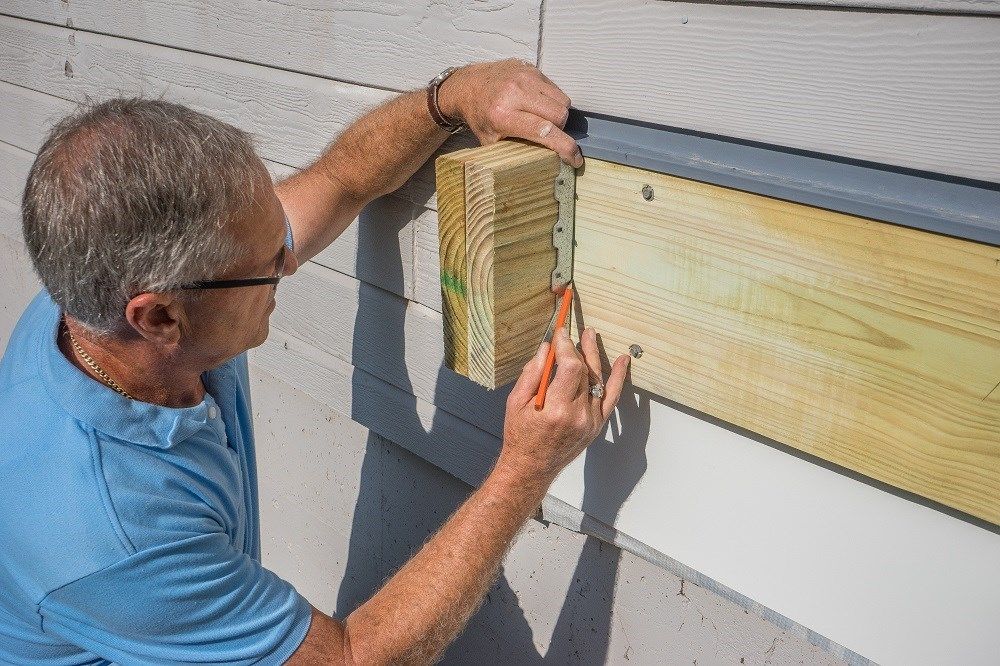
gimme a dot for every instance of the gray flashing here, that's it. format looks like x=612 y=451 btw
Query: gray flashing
x=940 y=204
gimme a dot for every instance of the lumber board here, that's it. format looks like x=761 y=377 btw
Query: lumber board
x=449 y=172
x=906 y=89
x=398 y=45
x=510 y=210
x=873 y=346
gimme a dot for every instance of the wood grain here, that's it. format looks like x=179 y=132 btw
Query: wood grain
x=911 y=90
x=873 y=346
x=397 y=45
x=510 y=210
x=450 y=179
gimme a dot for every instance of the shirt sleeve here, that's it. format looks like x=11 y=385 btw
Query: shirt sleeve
x=193 y=601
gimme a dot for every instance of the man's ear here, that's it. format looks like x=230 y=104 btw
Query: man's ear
x=160 y=318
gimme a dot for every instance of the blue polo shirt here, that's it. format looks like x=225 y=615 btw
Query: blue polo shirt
x=129 y=532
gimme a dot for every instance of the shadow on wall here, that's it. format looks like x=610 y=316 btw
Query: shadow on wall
x=398 y=510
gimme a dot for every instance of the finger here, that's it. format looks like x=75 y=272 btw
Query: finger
x=591 y=356
x=550 y=89
x=531 y=377
x=547 y=108
x=613 y=387
x=529 y=126
x=571 y=370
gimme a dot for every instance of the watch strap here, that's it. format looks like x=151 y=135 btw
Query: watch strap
x=434 y=109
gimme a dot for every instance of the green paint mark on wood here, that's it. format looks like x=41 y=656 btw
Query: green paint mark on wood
x=453 y=283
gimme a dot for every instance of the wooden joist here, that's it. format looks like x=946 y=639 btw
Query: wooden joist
x=497 y=212
x=870 y=345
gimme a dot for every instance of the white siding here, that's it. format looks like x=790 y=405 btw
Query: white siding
x=361 y=506
x=911 y=90
x=394 y=45
x=989 y=7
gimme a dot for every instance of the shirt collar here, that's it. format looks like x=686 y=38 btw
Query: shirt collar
x=104 y=409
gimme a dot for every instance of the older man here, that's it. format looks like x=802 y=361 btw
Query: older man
x=129 y=525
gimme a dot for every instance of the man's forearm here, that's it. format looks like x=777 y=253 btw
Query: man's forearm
x=379 y=152
x=373 y=157
x=421 y=609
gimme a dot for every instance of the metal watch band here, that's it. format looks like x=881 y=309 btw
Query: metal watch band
x=432 y=103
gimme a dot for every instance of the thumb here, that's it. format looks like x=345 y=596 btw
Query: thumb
x=531 y=377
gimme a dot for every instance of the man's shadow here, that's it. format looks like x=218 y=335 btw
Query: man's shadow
x=398 y=509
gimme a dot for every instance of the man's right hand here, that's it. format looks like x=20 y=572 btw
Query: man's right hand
x=538 y=444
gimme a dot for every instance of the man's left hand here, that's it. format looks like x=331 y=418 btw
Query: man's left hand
x=510 y=98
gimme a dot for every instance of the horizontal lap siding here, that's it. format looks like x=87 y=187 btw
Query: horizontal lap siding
x=391 y=45
x=989 y=7
x=913 y=90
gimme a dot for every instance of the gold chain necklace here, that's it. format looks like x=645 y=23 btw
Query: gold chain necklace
x=88 y=359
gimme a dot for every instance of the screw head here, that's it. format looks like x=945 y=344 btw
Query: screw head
x=647 y=192
x=635 y=351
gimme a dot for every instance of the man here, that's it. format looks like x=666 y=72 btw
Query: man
x=129 y=526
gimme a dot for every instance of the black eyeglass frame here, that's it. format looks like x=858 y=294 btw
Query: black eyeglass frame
x=279 y=271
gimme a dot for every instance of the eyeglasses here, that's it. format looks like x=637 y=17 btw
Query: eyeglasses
x=279 y=270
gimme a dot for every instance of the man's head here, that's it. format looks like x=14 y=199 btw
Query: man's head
x=131 y=200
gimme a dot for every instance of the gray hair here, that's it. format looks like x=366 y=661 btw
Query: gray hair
x=134 y=195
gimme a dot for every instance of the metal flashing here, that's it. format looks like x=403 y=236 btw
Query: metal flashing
x=931 y=202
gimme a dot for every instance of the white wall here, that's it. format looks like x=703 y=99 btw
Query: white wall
x=356 y=349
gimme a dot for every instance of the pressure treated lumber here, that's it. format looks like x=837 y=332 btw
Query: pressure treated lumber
x=873 y=346
x=510 y=212
x=449 y=171
x=497 y=209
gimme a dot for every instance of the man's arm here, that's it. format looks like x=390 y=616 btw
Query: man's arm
x=421 y=609
x=379 y=152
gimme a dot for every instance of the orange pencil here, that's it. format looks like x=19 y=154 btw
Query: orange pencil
x=550 y=359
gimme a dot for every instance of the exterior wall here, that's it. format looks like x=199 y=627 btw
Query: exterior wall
x=354 y=364
x=906 y=89
x=343 y=508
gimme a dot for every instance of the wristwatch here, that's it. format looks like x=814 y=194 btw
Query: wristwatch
x=439 y=118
